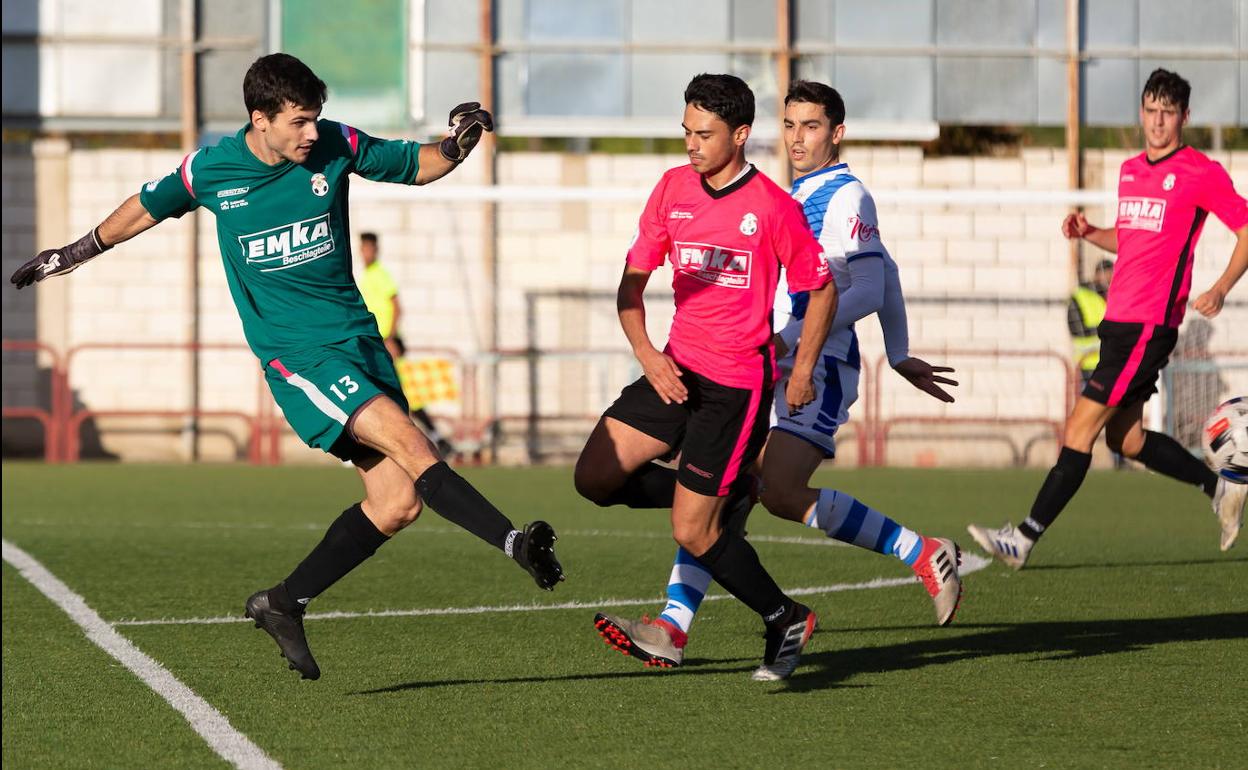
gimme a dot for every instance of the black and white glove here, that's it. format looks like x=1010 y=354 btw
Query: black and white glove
x=60 y=261
x=467 y=121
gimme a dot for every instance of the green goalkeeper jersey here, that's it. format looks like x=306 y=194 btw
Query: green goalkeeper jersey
x=284 y=231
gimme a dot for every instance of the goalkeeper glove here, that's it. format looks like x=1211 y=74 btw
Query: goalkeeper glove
x=467 y=121
x=60 y=261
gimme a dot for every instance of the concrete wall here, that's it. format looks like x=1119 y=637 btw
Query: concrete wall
x=984 y=278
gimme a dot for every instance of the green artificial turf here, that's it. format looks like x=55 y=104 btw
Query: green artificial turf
x=1123 y=644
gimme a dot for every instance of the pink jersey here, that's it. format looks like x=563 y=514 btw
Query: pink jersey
x=726 y=248
x=1162 y=207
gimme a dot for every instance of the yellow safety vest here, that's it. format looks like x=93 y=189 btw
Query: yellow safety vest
x=1092 y=308
x=379 y=291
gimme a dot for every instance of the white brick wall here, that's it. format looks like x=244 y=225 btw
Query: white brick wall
x=978 y=277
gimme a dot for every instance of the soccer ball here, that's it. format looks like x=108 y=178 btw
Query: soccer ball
x=1225 y=440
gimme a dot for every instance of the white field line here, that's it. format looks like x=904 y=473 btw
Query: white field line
x=436 y=530
x=230 y=744
x=970 y=563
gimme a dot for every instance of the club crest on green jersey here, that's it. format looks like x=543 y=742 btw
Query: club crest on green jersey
x=320 y=185
x=289 y=245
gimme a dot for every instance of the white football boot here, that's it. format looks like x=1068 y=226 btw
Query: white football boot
x=1007 y=544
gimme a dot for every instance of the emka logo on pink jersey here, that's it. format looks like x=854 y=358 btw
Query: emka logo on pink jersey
x=1141 y=213
x=717 y=265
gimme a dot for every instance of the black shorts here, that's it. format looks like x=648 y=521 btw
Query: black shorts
x=1132 y=357
x=720 y=430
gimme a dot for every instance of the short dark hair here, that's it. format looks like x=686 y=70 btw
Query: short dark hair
x=370 y=237
x=725 y=95
x=818 y=93
x=1167 y=86
x=278 y=78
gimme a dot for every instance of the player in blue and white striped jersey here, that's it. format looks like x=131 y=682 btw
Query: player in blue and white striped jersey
x=842 y=214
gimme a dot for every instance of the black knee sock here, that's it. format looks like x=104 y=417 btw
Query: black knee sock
x=1165 y=455
x=350 y=540
x=1062 y=483
x=453 y=498
x=734 y=564
x=650 y=486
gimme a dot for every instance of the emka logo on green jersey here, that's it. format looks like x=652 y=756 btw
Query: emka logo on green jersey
x=289 y=245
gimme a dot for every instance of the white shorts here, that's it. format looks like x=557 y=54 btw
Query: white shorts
x=836 y=389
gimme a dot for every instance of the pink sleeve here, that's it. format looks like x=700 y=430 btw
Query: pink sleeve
x=1217 y=194
x=652 y=242
x=799 y=252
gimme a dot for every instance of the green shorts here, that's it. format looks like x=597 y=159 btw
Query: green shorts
x=320 y=389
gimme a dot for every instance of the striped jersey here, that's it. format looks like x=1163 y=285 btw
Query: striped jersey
x=284 y=231
x=726 y=248
x=841 y=214
x=1162 y=207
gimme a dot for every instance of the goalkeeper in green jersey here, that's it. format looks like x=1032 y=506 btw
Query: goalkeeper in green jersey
x=279 y=191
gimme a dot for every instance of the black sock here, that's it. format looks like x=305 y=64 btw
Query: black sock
x=454 y=499
x=350 y=540
x=734 y=564
x=1062 y=483
x=1165 y=455
x=650 y=486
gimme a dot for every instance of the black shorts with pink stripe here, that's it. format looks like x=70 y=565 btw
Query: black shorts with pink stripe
x=719 y=430
x=1132 y=357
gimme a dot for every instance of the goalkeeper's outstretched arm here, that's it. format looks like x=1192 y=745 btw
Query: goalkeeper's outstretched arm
x=127 y=221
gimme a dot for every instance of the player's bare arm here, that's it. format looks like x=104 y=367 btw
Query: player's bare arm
x=660 y=369
x=819 y=313
x=1076 y=226
x=127 y=221
x=1209 y=304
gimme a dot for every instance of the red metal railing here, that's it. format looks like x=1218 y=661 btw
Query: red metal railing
x=53 y=418
x=62 y=425
x=881 y=426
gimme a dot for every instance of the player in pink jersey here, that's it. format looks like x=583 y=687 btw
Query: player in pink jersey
x=726 y=230
x=1164 y=195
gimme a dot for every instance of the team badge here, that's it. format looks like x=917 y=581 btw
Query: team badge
x=320 y=185
x=749 y=224
x=1167 y=184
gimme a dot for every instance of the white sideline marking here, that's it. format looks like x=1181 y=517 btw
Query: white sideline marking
x=212 y=725
x=970 y=563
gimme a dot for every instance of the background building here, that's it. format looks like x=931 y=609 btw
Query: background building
x=509 y=266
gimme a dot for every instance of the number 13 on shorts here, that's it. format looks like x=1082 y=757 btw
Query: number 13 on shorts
x=349 y=386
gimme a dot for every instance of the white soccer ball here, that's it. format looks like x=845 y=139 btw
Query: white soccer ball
x=1225 y=440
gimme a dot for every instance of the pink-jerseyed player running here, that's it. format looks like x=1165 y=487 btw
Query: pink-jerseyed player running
x=1165 y=194
x=726 y=231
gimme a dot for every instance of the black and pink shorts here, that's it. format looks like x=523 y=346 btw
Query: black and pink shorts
x=719 y=429
x=1132 y=357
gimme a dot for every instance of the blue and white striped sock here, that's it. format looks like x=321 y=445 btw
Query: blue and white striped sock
x=850 y=521
x=685 y=589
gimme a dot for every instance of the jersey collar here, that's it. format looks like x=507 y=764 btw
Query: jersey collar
x=742 y=179
x=1165 y=157
x=839 y=167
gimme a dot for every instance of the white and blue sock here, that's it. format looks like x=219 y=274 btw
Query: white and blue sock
x=685 y=589
x=850 y=521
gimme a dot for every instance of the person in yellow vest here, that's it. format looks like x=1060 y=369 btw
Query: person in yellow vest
x=419 y=387
x=1083 y=316
x=381 y=293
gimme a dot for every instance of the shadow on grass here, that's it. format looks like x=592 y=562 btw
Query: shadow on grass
x=1136 y=564
x=1043 y=642
x=1046 y=641
x=692 y=667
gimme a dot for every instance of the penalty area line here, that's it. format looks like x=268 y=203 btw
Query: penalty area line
x=211 y=725
x=970 y=563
